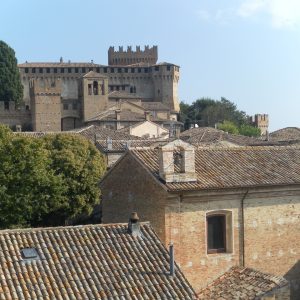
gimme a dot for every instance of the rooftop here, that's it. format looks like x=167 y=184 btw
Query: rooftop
x=218 y=168
x=242 y=283
x=87 y=262
x=286 y=134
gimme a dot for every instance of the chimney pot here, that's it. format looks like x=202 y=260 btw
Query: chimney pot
x=134 y=225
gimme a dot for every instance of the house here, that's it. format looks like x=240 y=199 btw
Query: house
x=147 y=129
x=220 y=207
x=115 y=261
x=246 y=283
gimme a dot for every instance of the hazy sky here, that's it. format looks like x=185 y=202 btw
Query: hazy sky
x=245 y=50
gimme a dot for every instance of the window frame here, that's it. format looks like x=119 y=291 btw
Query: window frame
x=217 y=250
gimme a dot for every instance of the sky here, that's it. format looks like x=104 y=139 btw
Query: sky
x=247 y=51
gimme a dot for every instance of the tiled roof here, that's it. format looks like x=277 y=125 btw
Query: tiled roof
x=286 y=134
x=218 y=168
x=242 y=283
x=88 y=262
x=208 y=136
x=123 y=145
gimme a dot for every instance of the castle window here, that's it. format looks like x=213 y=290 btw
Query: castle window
x=119 y=70
x=6 y=105
x=26 y=70
x=168 y=68
x=55 y=70
x=69 y=70
x=76 y=70
x=66 y=106
x=126 y=70
x=89 y=89
x=139 y=70
x=83 y=70
x=105 y=70
x=40 y=70
x=112 y=70
x=98 y=70
x=219 y=232
x=62 y=70
x=95 y=87
x=33 y=70
x=48 y=70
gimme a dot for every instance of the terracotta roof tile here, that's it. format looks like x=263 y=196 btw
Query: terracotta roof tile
x=286 y=134
x=234 y=167
x=88 y=262
x=242 y=283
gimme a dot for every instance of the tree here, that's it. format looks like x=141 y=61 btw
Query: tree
x=47 y=181
x=249 y=130
x=229 y=127
x=11 y=88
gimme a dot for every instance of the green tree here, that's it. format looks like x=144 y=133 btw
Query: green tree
x=47 y=181
x=11 y=88
x=229 y=127
x=249 y=130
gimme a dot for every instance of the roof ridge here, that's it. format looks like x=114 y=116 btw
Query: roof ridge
x=5 y=231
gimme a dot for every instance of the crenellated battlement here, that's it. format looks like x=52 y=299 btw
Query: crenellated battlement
x=129 y=56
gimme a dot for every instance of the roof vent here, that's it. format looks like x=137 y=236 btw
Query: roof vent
x=29 y=254
x=109 y=143
x=134 y=225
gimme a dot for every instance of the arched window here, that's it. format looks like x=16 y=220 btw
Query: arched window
x=219 y=232
x=95 y=88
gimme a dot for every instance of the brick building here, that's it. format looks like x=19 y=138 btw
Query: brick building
x=220 y=207
x=66 y=95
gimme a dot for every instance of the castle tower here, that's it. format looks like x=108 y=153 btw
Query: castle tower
x=94 y=94
x=261 y=121
x=45 y=97
x=123 y=58
x=165 y=77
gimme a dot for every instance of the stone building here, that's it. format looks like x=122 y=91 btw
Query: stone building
x=82 y=91
x=220 y=208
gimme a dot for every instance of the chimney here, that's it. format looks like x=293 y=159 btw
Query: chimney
x=267 y=135
x=147 y=115
x=172 y=265
x=118 y=118
x=134 y=225
x=109 y=143
x=180 y=154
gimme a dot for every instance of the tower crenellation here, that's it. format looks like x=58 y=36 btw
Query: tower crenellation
x=129 y=57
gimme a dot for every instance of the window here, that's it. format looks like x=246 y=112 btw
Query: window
x=83 y=70
x=48 y=70
x=26 y=70
x=156 y=68
x=40 y=70
x=66 y=106
x=146 y=70
x=216 y=235
x=139 y=70
x=89 y=89
x=33 y=70
x=112 y=70
x=69 y=70
x=126 y=70
x=98 y=70
x=95 y=87
x=74 y=106
x=132 y=70
x=119 y=70
x=76 y=70
x=219 y=231
x=55 y=70
x=29 y=253
x=168 y=68
x=62 y=70
x=105 y=70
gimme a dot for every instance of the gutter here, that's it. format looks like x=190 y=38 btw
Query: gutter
x=242 y=240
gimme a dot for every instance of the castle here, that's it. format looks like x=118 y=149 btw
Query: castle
x=65 y=95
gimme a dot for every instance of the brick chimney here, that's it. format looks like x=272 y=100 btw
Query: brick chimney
x=147 y=115
x=181 y=154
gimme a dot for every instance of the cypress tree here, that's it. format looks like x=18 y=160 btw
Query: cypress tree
x=11 y=88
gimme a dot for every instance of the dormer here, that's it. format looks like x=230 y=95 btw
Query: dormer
x=177 y=162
